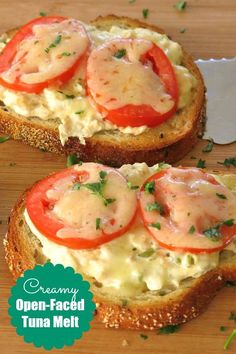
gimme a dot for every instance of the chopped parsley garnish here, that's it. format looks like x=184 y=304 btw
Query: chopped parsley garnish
x=132 y=1
x=157 y=225
x=229 y=339
x=148 y=253
x=213 y=233
x=97 y=188
x=3 y=40
x=73 y=160
x=208 y=147
x=76 y=186
x=124 y=302
x=232 y=316
x=145 y=13
x=155 y=206
x=181 y=5
x=182 y=30
x=66 y=54
x=169 y=329
x=98 y=223
x=56 y=41
x=230 y=161
x=150 y=187
x=42 y=14
x=130 y=186
x=223 y=328
x=4 y=138
x=120 y=53
x=109 y=201
x=143 y=336
x=221 y=196
x=79 y=112
x=201 y=163
x=102 y=174
x=70 y=97
x=192 y=229
x=229 y=222
x=230 y=284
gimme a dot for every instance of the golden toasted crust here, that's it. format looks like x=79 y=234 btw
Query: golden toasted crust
x=146 y=311
x=168 y=142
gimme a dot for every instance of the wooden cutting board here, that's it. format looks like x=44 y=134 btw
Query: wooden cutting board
x=210 y=32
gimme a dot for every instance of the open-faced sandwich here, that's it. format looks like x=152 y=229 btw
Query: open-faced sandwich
x=116 y=90
x=155 y=243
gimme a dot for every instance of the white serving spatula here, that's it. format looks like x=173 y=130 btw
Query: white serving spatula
x=220 y=80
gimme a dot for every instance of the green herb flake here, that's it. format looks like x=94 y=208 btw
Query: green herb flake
x=130 y=186
x=223 y=328
x=148 y=253
x=120 y=53
x=4 y=138
x=55 y=43
x=208 y=147
x=230 y=161
x=65 y=54
x=221 y=196
x=98 y=223
x=132 y=1
x=229 y=339
x=182 y=30
x=79 y=112
x=70 y=97
x=169 y=329
x=232 y=316
x=108 y=201
x=157 y=225
x=102 y=174
x=213 y=233
x=76 y=186
x=3 y=40
x=150 y=187
x=73 y=160
x=230 y=284
x=143 y=336
x=42 y=14
x=229 y=222
x=181 y=5
x=124 y=302
x=192 y=229
x=155 y=207
x=145 y=13
x=201 y=163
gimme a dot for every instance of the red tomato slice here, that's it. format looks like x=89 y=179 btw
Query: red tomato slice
x=68 y=211
x=130 y=114
x=8 y=57
x=183 y=210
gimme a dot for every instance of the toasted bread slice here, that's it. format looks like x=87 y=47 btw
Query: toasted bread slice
x=148 y=310
x=168 y=142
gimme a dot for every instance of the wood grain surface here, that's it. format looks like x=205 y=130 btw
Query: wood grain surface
x=210 y=32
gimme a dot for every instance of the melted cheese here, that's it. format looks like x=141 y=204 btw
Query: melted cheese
x=126 y=80
x=78 y=117
x=121 y=265
x=41 y=56
x=80 y=220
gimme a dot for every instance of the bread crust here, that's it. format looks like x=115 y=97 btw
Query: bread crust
x=24 y=252
x=168 y=142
